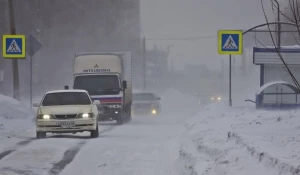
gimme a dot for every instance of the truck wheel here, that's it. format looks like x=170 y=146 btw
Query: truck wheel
x=40 y=135
x=129 y=115
x=120 y=120
x=95 y=133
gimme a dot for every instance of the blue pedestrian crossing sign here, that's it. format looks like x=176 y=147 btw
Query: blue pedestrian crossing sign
x=230 y=42
x=14 y=46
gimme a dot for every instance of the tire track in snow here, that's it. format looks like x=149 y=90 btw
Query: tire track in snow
x=26 y=142
x=70 y=154
x=21 y=143
x=68 y=157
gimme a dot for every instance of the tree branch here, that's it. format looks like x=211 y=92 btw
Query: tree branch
x=277 y=50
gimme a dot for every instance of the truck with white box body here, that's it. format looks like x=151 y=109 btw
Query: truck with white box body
x=107 y=76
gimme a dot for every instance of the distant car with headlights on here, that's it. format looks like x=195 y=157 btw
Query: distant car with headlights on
x=67 y=111
x=216 y=98
x=146 y=103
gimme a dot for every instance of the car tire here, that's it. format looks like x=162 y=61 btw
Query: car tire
x=95 y=133
x=40 y=135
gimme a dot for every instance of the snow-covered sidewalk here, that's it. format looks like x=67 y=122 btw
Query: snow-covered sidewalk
x=224 y=140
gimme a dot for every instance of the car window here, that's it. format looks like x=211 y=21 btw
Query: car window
x=143 y=96
x=66 y=98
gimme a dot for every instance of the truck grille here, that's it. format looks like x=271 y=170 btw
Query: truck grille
x=68 y=116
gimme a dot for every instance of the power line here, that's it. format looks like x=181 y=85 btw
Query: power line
x=188 y=38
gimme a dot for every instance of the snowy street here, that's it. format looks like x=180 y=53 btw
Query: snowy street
x=142 y=146
x=211 y=140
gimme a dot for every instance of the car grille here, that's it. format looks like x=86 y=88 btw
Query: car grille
x=68 y=116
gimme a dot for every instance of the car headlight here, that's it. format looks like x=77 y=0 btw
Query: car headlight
x=45 y=116
x=86 y=115
x=219 y=98
x=153 y=111
x=212 y=98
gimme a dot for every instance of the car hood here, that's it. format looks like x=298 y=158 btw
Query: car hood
x=67 y=109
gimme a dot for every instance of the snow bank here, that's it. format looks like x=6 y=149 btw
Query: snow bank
x=13 y=109
x=16 y=122
x=224 y=140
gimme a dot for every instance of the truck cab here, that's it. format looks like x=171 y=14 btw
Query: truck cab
x=104 y=76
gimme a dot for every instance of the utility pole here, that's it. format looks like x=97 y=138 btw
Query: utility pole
x=15 y=67
x=144 y=62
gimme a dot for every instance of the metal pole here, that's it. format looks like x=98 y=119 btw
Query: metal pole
x=144 y=61
x=230 y=100
x=15 y=67
x=31 y=81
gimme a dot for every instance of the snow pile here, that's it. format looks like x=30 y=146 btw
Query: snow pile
x=223 y=140
x=13 y=109
x=15 y=122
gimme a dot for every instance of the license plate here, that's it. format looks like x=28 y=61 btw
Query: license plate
x=66 y=124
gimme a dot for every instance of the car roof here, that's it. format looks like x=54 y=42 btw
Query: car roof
x=66 y=90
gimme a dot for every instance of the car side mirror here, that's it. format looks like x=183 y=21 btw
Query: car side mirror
x=36 y=105
x=96 y=102
x=158 y=98
x=66 y=87
x=124 y=85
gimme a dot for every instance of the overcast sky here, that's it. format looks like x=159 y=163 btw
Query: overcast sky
x=194 y=18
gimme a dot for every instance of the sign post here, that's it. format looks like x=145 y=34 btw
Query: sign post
x=34 y=46
x=230 y=42
x=14 y=48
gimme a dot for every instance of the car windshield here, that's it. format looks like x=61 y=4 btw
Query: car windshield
x=98 y=84
x=143 y=97
x=66 y=98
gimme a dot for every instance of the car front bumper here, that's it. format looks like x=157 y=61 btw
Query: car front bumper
x=145 y=111
x=52 y=125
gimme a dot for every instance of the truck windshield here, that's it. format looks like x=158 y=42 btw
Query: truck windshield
x=66 y=98
x=144 y=97
x=98 y=84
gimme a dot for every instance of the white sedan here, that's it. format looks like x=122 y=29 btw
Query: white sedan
x=67 y=111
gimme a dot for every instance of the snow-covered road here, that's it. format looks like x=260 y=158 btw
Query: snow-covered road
x=143 y=146
x=45 y=156
x=139 y=147
x=187 y=139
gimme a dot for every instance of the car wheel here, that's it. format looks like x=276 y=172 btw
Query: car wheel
x=40 y=135
x=95 y=133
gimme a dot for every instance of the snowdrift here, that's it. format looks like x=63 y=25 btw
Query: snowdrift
x=16 y=124
x=223 y=140
x=13 y=109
